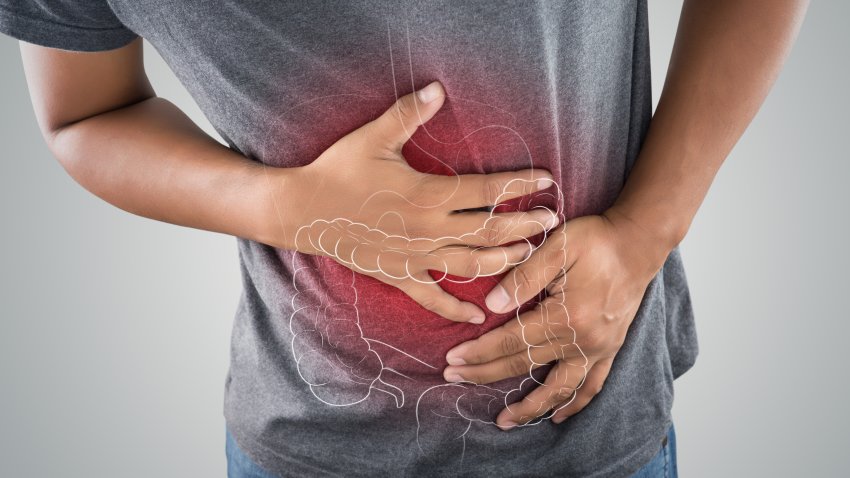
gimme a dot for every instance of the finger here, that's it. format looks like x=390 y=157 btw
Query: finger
x=540 y=325
x=397 y=124
x=586 y=393
x=526 y=280
x=469 y=262
x=469 y=191
x=562 y=381
x=488 y=229
x=518 y=364
x=427 y=293
x=546 y=325
x=506 y=364
x=504 y=340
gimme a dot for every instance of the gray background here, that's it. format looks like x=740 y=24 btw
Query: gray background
x=114 y=330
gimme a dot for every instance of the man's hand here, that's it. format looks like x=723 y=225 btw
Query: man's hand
x=594 y=270
x=358 y=202
x=364 y=206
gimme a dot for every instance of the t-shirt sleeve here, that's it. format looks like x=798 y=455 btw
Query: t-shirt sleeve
x=81 y=25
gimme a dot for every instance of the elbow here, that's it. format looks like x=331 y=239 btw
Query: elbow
x=59 y=136
x=71 y=138
x=71 y=146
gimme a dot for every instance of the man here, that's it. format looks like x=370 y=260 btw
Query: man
x=458 y=229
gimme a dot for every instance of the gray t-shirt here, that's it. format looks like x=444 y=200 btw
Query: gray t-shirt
x=335 y=373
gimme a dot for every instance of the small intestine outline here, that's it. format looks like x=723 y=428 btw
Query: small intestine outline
x=338 y=362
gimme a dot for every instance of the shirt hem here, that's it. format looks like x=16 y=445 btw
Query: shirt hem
x=61 y=36
x=264 y=456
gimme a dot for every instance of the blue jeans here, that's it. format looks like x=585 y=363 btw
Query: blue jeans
x=239 y=465
x=662 y=465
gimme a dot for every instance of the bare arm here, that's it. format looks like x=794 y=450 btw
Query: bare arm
x=103 y=122
x=725 y=59
x=726 y=56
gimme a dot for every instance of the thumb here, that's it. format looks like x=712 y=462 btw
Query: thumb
x=396 y=125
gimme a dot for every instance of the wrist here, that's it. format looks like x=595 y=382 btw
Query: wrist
x=651 y=238
x=666 y=228
x=278 y=220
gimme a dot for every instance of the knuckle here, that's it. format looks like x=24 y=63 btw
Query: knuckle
x=492 y=233
x=403 y=107
x=471 y=267
x=417 y=261
x=517 y=366
x=510 y=344
x=610 y=317
x=619 y=341
x=595 y=340
x=578 y=318
x=431 y=303
x=563 y=393
x=414 y=229
x=492 y=190
x=522 y=279
x=595 y=389
x=561 y=351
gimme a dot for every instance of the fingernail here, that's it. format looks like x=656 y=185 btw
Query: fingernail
x=455 y=355
x=497 y=300
x=551 y=219
x=429 y=93
x=543 y=183
x=453 y=377
x=558 y=420
x=508 y=425
x=477 y=318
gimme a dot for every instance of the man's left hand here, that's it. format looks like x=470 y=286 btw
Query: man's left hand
x=595 y=270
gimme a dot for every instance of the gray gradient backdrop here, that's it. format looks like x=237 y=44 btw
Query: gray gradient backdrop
x=114 y=330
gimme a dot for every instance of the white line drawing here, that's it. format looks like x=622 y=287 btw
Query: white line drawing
x=342 y=366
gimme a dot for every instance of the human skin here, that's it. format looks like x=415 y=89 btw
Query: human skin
x=368 y=209
x=595 y=269
x=157 y=163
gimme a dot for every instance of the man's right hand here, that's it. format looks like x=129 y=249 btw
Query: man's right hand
x=359 y=202
x=366 y=208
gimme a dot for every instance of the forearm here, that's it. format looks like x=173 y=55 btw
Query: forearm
x=726 y=56
x=150 y=159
